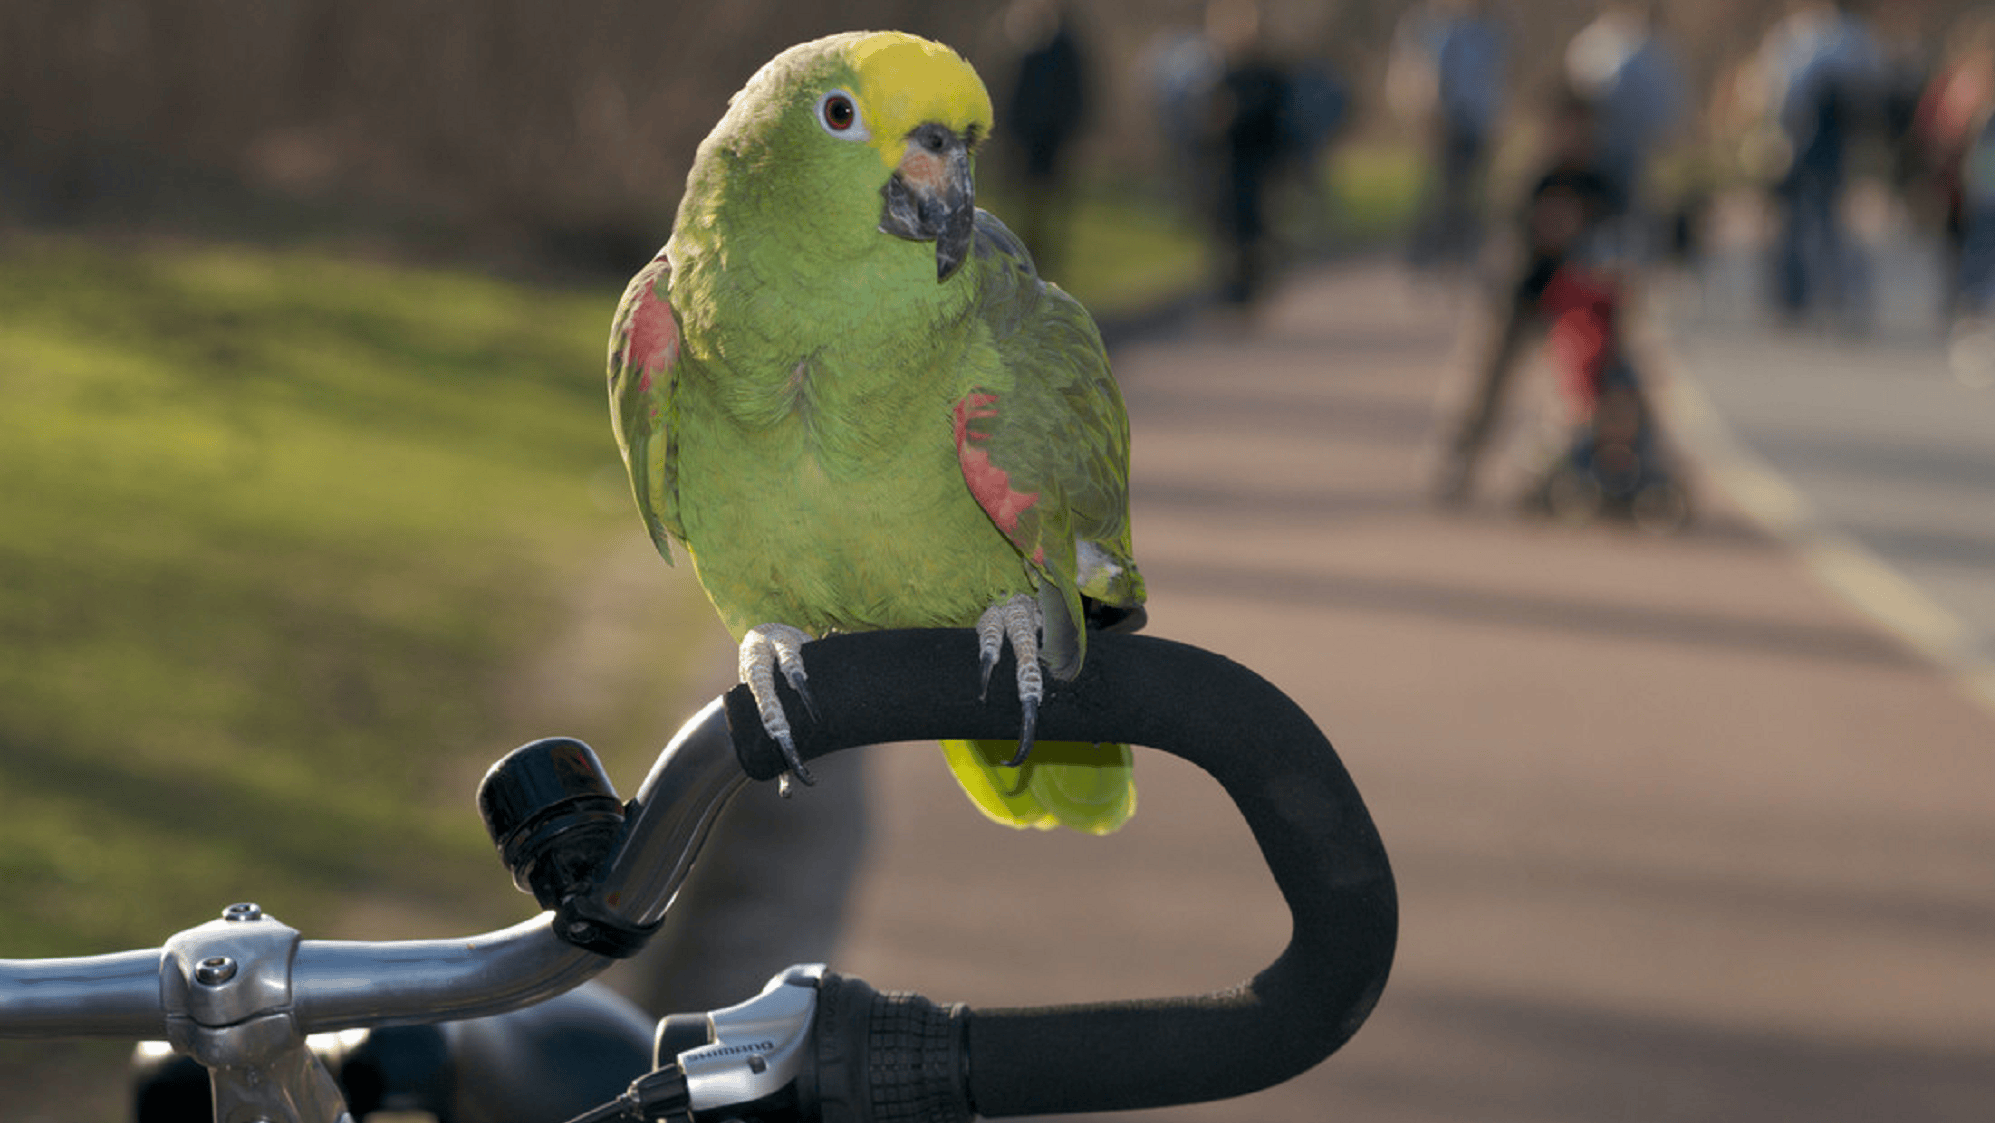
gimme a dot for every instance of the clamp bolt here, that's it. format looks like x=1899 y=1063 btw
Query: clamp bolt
x=214 y=970
x=246 y=910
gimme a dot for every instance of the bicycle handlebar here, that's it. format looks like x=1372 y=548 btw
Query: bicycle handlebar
x=1304 y=811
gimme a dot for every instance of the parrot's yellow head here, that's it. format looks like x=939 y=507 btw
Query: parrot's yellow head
x=864 y=133
x=905 y=83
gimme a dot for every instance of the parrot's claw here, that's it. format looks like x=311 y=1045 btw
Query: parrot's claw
x=765 y=649
x=1015 y=620
x=1027 y=725
x=801 y=685
x=987 y=657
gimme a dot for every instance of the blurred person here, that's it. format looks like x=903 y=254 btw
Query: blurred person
x=1448 y=65
x=1047 y=107
x=1612 y=461
x=1744 y=142
x=1906 y=65
x=1250 y=125
x=1318 y=105
x=1184 y=72
x=1971 y=346
x=1951 y=109
x=1569 y=201
x=1622 y=66
x=1977 y=189
x=1826 y=72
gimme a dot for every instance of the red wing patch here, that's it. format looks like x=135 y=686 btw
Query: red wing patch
x=989 y=484
x=654 y=338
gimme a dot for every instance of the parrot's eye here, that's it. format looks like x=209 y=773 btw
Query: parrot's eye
x=839 y=115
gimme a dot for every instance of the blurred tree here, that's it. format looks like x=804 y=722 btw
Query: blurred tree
x=533 y=128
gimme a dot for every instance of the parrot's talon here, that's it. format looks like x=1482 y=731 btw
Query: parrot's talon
x=1016 y=621
x=801 y=685
x=1027 y=726
x=797 y=770
x=765 y=649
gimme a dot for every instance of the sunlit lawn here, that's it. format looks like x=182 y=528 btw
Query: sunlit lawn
x=278 y=534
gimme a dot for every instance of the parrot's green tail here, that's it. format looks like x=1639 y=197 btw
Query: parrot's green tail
x=1076 y=784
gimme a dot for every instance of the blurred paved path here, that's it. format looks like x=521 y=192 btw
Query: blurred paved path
x=1871 y=453
x=1679 y=836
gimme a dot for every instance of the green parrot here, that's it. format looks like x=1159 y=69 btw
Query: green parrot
x=847 y=395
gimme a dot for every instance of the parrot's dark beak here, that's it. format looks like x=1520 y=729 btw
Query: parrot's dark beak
x=932 y=197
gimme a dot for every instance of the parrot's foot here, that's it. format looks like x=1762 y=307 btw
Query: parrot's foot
x=765 y=649
x=1018 y=621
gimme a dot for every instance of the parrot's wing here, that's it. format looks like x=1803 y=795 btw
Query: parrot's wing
x=644 y=353
x=1045 y=449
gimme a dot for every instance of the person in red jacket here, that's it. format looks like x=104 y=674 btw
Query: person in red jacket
x=1569 y=200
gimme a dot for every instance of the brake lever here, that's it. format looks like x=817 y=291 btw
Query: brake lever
x=756 y=1051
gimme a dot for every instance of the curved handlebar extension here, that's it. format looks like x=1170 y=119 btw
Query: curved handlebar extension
x=1303 y=809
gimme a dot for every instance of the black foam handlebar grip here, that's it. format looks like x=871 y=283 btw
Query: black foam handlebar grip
x=1304 y=811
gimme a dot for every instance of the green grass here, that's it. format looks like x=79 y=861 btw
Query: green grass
x=1374 y=188
x=280 y=536
x=1129 y=254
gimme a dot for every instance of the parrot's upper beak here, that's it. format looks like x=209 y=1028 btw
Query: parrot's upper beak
x=932 y=196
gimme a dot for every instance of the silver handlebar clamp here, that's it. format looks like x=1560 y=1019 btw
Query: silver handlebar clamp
x=225 y=988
